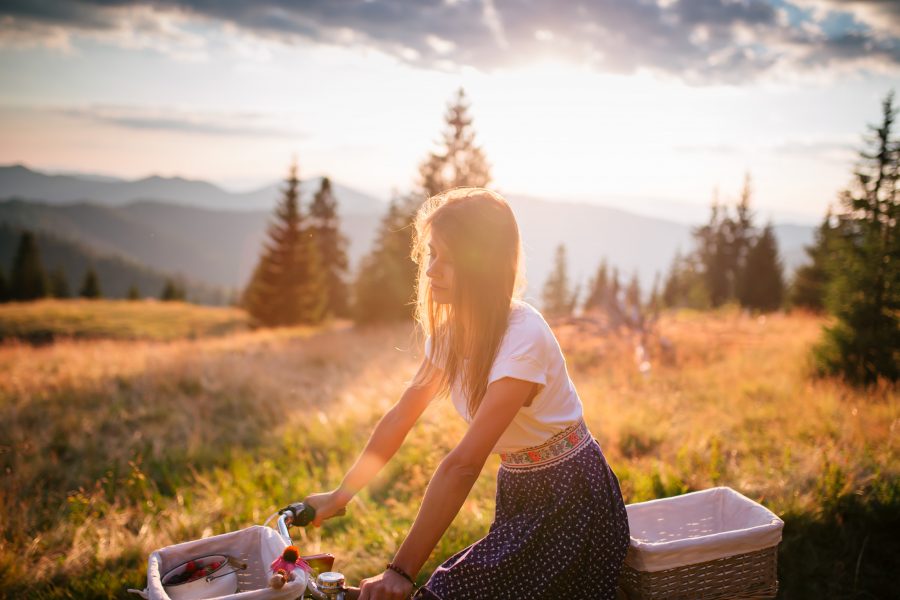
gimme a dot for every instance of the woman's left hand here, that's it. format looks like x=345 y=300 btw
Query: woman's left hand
x=387 y=586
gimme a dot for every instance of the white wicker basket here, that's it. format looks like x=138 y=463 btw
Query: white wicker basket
x=715 y=543
x=256 y=547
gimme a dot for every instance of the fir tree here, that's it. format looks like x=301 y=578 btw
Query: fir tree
x=59 y=285
x=654 y=303
x=673 y=293
x=28 y=281
x=4 y=288
x=332 y=246
x=685 y=285
x=133 y=292
x=633 y=292
x=385 y=285
x=172 y=291
x=762 y=280
x=558 y=297
x=90 y=285
x=615 y=287
x=598 y=290
x=459 y=161
x=808 y=287
x=863 y=267
x=742 y=236
x=386 y=281
x=288 y=285
x=713 y=253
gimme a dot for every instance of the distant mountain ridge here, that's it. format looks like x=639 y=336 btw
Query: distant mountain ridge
x=18 y=181
x=219 y=245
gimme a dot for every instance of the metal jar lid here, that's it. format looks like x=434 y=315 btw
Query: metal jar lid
x=330 y=581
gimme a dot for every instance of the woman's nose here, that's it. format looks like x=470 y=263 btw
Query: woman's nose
x=432 y=271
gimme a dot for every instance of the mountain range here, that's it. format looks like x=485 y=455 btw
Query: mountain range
x=213 y=236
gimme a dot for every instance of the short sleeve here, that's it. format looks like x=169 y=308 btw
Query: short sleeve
x=522 y=355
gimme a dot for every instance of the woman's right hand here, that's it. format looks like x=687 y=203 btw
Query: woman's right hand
x=328 y=504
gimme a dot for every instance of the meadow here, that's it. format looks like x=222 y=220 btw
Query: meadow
x=111 y=448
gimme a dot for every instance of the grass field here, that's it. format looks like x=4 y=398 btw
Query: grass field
x=111 y=448
x=47 y=320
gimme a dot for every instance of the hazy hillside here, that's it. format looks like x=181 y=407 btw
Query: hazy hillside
x=22 y=182
x=218 y=247
x=221 y=246
x=116 y=273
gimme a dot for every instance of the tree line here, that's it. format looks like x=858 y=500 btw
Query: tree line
x=29 y=280
x=302 y=272
x=732 y=261
x=852 y=271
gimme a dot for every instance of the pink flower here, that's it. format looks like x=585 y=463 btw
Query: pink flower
x=281 y=563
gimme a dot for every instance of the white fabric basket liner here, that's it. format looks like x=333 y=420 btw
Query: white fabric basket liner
x=256 y=545
x=698 y=527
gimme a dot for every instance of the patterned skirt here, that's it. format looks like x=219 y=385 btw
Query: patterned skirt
x=560 y=529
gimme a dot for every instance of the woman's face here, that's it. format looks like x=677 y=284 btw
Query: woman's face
x=440 y=271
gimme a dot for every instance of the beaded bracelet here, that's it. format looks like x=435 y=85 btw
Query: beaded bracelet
x=402 y=573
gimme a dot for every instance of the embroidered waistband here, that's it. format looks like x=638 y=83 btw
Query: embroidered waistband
x=554 y=449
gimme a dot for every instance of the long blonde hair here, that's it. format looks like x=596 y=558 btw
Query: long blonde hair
x=481 y=234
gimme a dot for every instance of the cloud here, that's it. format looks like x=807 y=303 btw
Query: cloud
x=880 y=15
x=234 y=124
x=696 y=40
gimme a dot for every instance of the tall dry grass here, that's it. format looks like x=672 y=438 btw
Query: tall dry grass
x=110 y=449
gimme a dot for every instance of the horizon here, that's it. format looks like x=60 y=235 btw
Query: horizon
x=778 y=218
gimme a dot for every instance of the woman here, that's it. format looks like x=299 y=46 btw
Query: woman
x=560 y=527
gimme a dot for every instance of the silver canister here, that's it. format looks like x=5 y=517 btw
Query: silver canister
x=331 y=583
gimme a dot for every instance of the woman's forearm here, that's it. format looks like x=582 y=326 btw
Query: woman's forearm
x=445 y=495
x=384 y=442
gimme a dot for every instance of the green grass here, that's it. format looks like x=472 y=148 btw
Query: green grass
x=46 y=320
x=110 y=449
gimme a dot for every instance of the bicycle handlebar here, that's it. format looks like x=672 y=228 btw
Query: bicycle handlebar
x=302 y=514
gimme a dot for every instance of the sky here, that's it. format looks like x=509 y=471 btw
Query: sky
x=655 y=106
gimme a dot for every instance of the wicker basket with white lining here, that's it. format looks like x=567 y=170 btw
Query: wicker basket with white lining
x=711 y=544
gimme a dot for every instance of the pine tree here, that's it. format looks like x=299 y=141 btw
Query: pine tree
x=810 y=279
x=385 y=286
x=459 y=162
x=742 y=236
x=762 y=279
x=90 y=285
x=133 y=292
x=59 y=285
x=863 y=267
x=332 y=246
x=4 y=288
x=713 y=254
x=598 y=290
x=28 y=281
x=288 y=285
x=673 y=294
x=615 y=287
x=685 y=285
x=172 y=291
x=558 y=296
x=654 y=303
x=633 y=292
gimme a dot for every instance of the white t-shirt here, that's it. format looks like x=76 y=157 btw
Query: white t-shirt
x=528 y=351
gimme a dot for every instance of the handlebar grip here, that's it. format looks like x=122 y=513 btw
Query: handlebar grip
x=304 y=514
